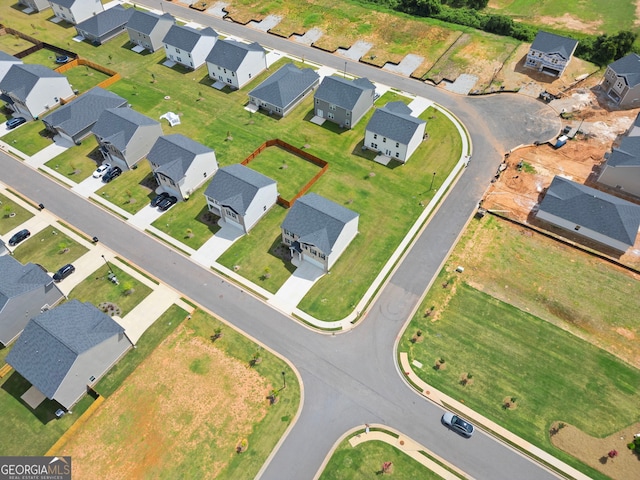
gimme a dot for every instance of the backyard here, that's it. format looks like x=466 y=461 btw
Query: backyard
x=480 y=342
x=50 y=248
x=232 y=377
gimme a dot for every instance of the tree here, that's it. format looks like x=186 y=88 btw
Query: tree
x=498 y=24
x=421 y=8
x=217 y=333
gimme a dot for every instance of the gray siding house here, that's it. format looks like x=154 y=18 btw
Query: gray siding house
x=25 y=290
x=35 y=5
x=394 y=132
x=76 y=11
x=189 y=47
x=31 y=90
x=74 y=121
x=64 y=351
x=621 y=81
x=318 y=231
x=236 y=63
x=240 y=196
x=6 y=62
x=590 y=213
x=344 y=101
x=180 y=165
x=148 y=29
x=125 y=136
x=550 y=53
x=622 y=169
x=105 y=25
x=284 y=90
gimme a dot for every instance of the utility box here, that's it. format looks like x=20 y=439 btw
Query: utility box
x=562 y=139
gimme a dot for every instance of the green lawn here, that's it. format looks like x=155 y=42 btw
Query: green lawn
x=290 y=171
x=75 y=163
x=8 y=222
x=364 y=462
x=29 y=138
x=126 y=191
x=83 y=77
x=42 y=57
x=553 y=375
x=182 y=221
x=50 y=248
x=13 y=44
x=97 y=288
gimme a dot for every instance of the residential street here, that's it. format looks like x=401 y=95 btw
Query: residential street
x=348 y=379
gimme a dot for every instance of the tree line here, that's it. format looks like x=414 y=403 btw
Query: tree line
x=601 y=49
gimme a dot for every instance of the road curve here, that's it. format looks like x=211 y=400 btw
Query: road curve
x=349 y=379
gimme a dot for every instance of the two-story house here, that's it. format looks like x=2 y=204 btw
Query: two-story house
x=240 y=196
x=76 y=11
x=125 y=136
x=34 y=5
x=180 y=165
x=318 y=231
x=394 y=132
x=189 y=47
x=550 y=53
x=31 y=90
x=343 y=101
x=284 y=90
x=147 y=29
x=235 y=63
x=621 y=81
x=105 y=25
x=621 y=169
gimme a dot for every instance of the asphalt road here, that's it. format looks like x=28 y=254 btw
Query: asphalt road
x=348 y=379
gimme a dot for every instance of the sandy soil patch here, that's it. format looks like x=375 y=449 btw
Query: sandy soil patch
x=593 y=451
x=569 y=22
x=177 y=392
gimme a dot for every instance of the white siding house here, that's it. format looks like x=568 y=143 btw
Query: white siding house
x=234 y=63
x=189 y=47
x=76 y=11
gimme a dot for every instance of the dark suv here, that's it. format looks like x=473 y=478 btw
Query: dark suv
x=114 y=172
x=15 y=122
x=18 y=237
x=64 y=272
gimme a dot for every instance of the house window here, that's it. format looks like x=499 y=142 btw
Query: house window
x=205 y=174
x=233 y=74
x=229 y=80
x=322 y=256
x=225 y=70
x=249 y=75
x=375 y=135
x=287 y=241
x=179 y=59
x=348 y=114
x=577 y=227
x=317 y=101
x=330 y=115
x=332 y=107
x=384 y=140
x=346 y=122
x=219 y=67
x=264 y=208
x=397 y=144
x=287 y=232
x=313 y=252
x=397 y=154
x=177 y=50
x=374 y=145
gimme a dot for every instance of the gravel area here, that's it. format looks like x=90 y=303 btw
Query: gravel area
x=356 y=51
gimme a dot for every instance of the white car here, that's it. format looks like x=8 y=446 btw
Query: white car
x=101 y=170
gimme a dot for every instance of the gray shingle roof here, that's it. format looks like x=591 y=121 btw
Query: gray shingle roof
x=186 y=38
x=628 y=67
x=174 y=155
x=627 y=154
x=230 y=54
x=317 y=221
x=118 y=125
x=17 y=279
x=51 y=342
x=235 y=186
x=552 y=43
x=394 y=121
x=106 y=21
x=64 y=3
x=343 y=92
x=285 y=85
x=84 y=111
x=21 y=78
x=5 y=57
x=592 y=209
x=144 y=22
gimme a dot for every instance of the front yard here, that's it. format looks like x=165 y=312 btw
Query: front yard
x=50 y=248
x=130 y=191
x=11 y=215
x=78 y=162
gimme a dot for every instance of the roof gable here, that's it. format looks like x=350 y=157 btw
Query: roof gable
x=593 y=209
x=627 y=154
x=145 y=22
x=394 y=121
x=106 y=21
x=231 y=54
x=51 y=342
x=118 y=125
x=235 y=186
x=174 y=154
x=317 y=221
x=285 y=85
x=628 y=67
x=551 y=43
x=17 y=279
x=21 y=78
x=343 y=92
x=186 y=38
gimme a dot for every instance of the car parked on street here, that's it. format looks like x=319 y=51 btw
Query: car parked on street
x=158 y=198
x=457 y=424
x=113 y=172
x=167 y=203
x=19 y=237
x=64 y=272
x=15 y=122
x=101 y=170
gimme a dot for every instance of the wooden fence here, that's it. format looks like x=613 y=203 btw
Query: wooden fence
x=287 y=203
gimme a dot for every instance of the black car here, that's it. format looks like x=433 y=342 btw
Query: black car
x=64 y=272
x=114 y=172
x=15 y=122
x=166 y=203
x=158 y=198
x=18 y=237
